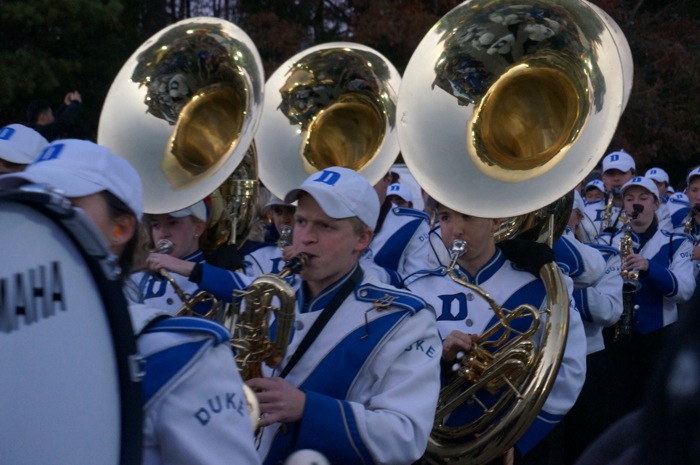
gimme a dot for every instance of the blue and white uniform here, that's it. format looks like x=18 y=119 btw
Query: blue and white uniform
x=668 y=281
x=600 y=304
x=371 y=377
x=265 y=257
x=195 y=409
x=402 y=244
x=460 y=309
x=593 y=213
x=582 y=263
x=155 y=291
x=679 y=206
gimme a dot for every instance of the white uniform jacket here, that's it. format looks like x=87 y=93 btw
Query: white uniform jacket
x=593 y=213
x=264 y=258
x=668 y=281
x=580 y=262
x=679 y=205
x=402 y=244
x=155 y=291
x=458 y=308
x=194 y=406
x=600 y=305
x=371 y=377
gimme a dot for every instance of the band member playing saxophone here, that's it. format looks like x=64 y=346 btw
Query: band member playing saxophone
x=618 y=168
x=662 y=260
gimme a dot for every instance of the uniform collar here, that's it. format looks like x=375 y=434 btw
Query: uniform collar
x=487 y=271
x=324 y=297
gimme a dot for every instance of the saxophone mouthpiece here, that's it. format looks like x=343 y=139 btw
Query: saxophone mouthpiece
x=636 y=210
x=296 y=263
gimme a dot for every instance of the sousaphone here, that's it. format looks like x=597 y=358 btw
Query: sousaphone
x=333 y=104
x=183 y=110
x=504 y=107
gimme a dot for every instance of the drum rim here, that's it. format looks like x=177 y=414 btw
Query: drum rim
x=117 y=313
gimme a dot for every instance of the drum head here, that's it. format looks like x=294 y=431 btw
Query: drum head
x=66 y=394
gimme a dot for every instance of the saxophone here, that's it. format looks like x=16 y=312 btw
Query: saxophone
x=630 y=278
x=606 y=222
x=249 y=323
x=689 y=219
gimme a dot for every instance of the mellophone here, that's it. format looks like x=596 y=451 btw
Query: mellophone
x=70 y=390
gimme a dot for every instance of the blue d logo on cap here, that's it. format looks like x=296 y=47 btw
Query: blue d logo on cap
x=394 y=188
x=614 y=157
x=6 y=133
x=49 y=153
x=328 y=177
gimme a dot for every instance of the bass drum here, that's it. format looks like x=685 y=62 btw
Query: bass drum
x=67 y=393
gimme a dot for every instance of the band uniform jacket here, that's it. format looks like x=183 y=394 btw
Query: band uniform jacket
x=668 y=281
x=458 y=308
x=194 y=406
x=371 y=377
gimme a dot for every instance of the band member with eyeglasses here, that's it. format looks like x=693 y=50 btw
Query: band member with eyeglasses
x=463 y=315
x=660 y=261
x=195 y=409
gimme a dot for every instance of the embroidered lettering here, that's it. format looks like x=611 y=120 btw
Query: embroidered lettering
x=215 y=405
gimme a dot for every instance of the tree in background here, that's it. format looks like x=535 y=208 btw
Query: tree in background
x=49 y=47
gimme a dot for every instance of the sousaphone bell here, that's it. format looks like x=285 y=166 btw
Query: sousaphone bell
x=504 y=107
x=183 y=110
x=333 y=104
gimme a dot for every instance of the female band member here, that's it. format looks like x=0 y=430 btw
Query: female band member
x=663 y=261
x=194 y=406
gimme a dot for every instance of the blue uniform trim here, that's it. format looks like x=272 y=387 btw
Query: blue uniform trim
x=540 y=428
x=162 y=366
x=342 y=364
x=391 y=252
x=406 y=301
x=568 y=256
x=582 y=305
x=184 y=324
x=403 y=211
x=220 y=282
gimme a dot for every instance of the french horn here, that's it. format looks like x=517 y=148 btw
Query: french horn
x=333 y=104
x=183 y=110
x=503 y=108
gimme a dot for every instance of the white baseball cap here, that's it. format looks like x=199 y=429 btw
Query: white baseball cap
x=641 y=181
x=692 y=174
x=341 y=193
x=619 y=160
x=20 y=144
x=274 y=200
x=657 y=174
x=78 y=168
x=199 y=210
x=670 y=189
x=400 y=190
x=595 y=184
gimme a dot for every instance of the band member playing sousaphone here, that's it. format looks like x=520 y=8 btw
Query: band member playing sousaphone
x=195 y=409
x=488 y=266
x=661 y=261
